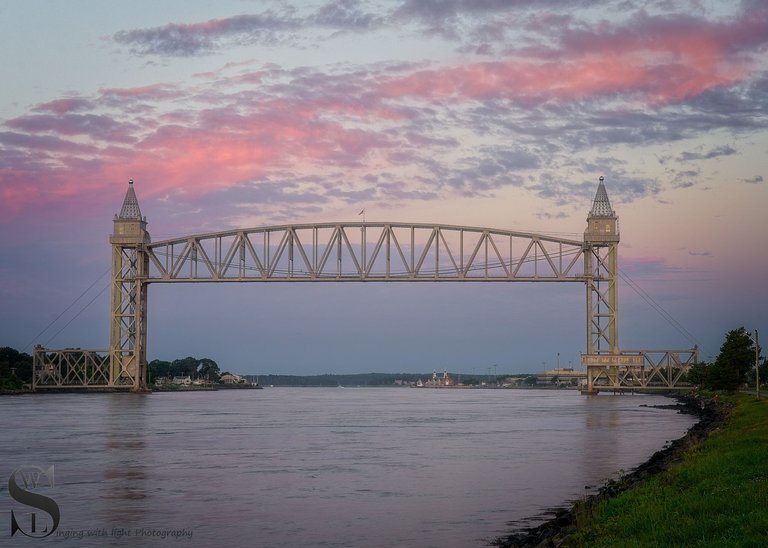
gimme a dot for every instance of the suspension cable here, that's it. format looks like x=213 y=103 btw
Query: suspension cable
x=659 y=309
x=47 y=327
x=73 y=318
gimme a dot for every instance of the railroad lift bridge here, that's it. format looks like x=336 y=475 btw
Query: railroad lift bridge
x=360 y=252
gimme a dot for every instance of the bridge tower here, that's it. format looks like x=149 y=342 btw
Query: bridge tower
x=128 y=327
x=601 y=242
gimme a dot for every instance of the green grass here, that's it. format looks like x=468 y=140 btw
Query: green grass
x=717 y=496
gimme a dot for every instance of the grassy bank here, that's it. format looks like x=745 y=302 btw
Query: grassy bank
x=716 y=496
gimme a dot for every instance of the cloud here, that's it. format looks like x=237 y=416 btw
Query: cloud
x=724 y=150
x=185 y=40
x=699 y=253
x=546 y=216
x=266 y=28
x=685 y=178
x=98 y=127
x=644 y=266
x=345 y=15
x=546 y=117
x=64 y=105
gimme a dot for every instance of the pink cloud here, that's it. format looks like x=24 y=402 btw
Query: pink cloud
x=659 y=60
x=245 y=127
x=65 y=105
x=534 y=82
x=200 y=152
x=665 y=66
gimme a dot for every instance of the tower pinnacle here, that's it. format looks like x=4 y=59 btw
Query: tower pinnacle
x=601 y=207
x=130 y=209
x=602 y=222
x=129 y=226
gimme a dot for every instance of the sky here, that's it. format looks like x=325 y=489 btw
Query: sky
x=495 y=113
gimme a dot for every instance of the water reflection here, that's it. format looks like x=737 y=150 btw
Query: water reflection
x=124 y=478
x=310 y=467
x=600 y=449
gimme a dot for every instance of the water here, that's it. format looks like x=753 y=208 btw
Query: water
x=319 y=467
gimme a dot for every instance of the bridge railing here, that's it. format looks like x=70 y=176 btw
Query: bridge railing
x=366 y=252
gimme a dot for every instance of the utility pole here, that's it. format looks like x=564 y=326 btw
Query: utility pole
x=757 y=366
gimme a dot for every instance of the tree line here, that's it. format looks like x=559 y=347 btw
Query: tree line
x=733 y=367
x=15 y=368
x=196 y=368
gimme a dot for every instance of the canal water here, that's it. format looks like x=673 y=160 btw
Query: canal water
x=334 y=467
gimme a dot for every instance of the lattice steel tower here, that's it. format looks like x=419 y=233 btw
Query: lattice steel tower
x=130 y=265
x=601 y=242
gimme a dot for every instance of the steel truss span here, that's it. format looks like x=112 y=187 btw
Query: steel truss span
x=360 y=252
x=381 y=252
x=70 y=368
x=641 y=369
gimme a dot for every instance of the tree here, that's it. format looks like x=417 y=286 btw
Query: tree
x=698 y=374
x=158 y=369
x=185 y=367
x=15 y=368
x=736 y=358
x=208 y=370
x=531 y=380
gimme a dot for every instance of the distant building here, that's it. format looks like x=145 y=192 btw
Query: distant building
x=438 y=382
x=182 y=381
x=229 y=378
x=564 y=376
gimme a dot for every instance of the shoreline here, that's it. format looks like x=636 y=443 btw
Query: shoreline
x=110 y=390
x=712 y=414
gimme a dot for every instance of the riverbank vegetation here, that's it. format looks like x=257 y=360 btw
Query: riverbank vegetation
x=15 y=369
x=716 y=496
x=709 y=488
x=734 y=366
x=195 y=368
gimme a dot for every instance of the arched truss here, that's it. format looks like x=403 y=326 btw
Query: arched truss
x=366 y=252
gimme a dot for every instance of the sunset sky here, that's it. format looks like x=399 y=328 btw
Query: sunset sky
x=497 y=113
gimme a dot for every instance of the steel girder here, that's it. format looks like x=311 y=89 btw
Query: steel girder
x=70 y=367
x=365 y=252
x=660 y=370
